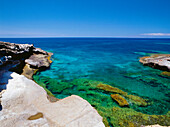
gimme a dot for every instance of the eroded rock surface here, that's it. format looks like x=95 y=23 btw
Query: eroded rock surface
x=24 y=103
x=158 y=61
x=24 y=59
x=11 y=51
x=38 y=61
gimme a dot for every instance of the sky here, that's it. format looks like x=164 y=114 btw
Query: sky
x=85 y=18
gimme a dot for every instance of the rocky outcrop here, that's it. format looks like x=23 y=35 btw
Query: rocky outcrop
x=13 y=57
x=24 y=103
x=7 y=48
x=9 y=52
x=158 y=61
x=24 y=58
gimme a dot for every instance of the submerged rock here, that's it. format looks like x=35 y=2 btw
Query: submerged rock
x=158 y=61
x=110 y=89
x=132 y=98
x=119 y=99
x=165 y=73
x=127 y=117
x=24 y=103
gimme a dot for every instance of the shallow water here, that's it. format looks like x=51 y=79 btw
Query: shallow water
x=109 y=60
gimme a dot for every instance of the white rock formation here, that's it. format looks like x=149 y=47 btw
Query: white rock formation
x=23 y=99
x=159 y=61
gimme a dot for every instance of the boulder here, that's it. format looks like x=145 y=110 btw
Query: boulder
x=24 y=103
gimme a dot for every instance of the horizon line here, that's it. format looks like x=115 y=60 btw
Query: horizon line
x=89 y=37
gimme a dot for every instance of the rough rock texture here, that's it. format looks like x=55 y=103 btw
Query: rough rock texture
x=39 y=51
x=159 y=61
x=11 y=51
x=13 y=57
x=34 y=63
x=1 y=94
x=7 y=48
x=24 y=59
x=25 y=104
x=38 y=61
x=28 y=71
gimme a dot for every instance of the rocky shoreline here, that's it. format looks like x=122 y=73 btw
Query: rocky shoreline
x=157 y=61
x=25 y=103
x=24 y=58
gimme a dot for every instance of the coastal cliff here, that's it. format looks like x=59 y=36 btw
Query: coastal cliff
x=25 y=103
x=23 y=58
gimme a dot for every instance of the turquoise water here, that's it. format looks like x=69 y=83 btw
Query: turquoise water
x=109 y=60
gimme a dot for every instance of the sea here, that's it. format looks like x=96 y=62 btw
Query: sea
x=112 y=61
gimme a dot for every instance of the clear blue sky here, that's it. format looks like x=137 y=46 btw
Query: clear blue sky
x=79 y=18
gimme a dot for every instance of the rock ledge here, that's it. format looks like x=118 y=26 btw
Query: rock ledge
x=25 y=104
x=158 y=61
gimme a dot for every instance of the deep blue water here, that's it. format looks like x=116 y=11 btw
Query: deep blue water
x=110 y=60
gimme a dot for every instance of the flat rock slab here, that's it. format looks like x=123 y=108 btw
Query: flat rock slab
x=158 y=61
x=38 y=61
x=24 y=99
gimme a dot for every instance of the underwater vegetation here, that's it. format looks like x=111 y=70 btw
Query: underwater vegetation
x=118 y=107
x=122 y=101
x=165 y=73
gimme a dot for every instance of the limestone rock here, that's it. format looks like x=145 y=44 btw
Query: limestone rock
x=3 y=91
x=39 y=51
x=38 y=61
x=12 y=51
x=159 y=61
x=24 y=103
x=29 y=72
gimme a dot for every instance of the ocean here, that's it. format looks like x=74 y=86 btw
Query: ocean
x=79 y=63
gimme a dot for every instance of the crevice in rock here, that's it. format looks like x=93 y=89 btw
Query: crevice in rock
x=0 y=106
